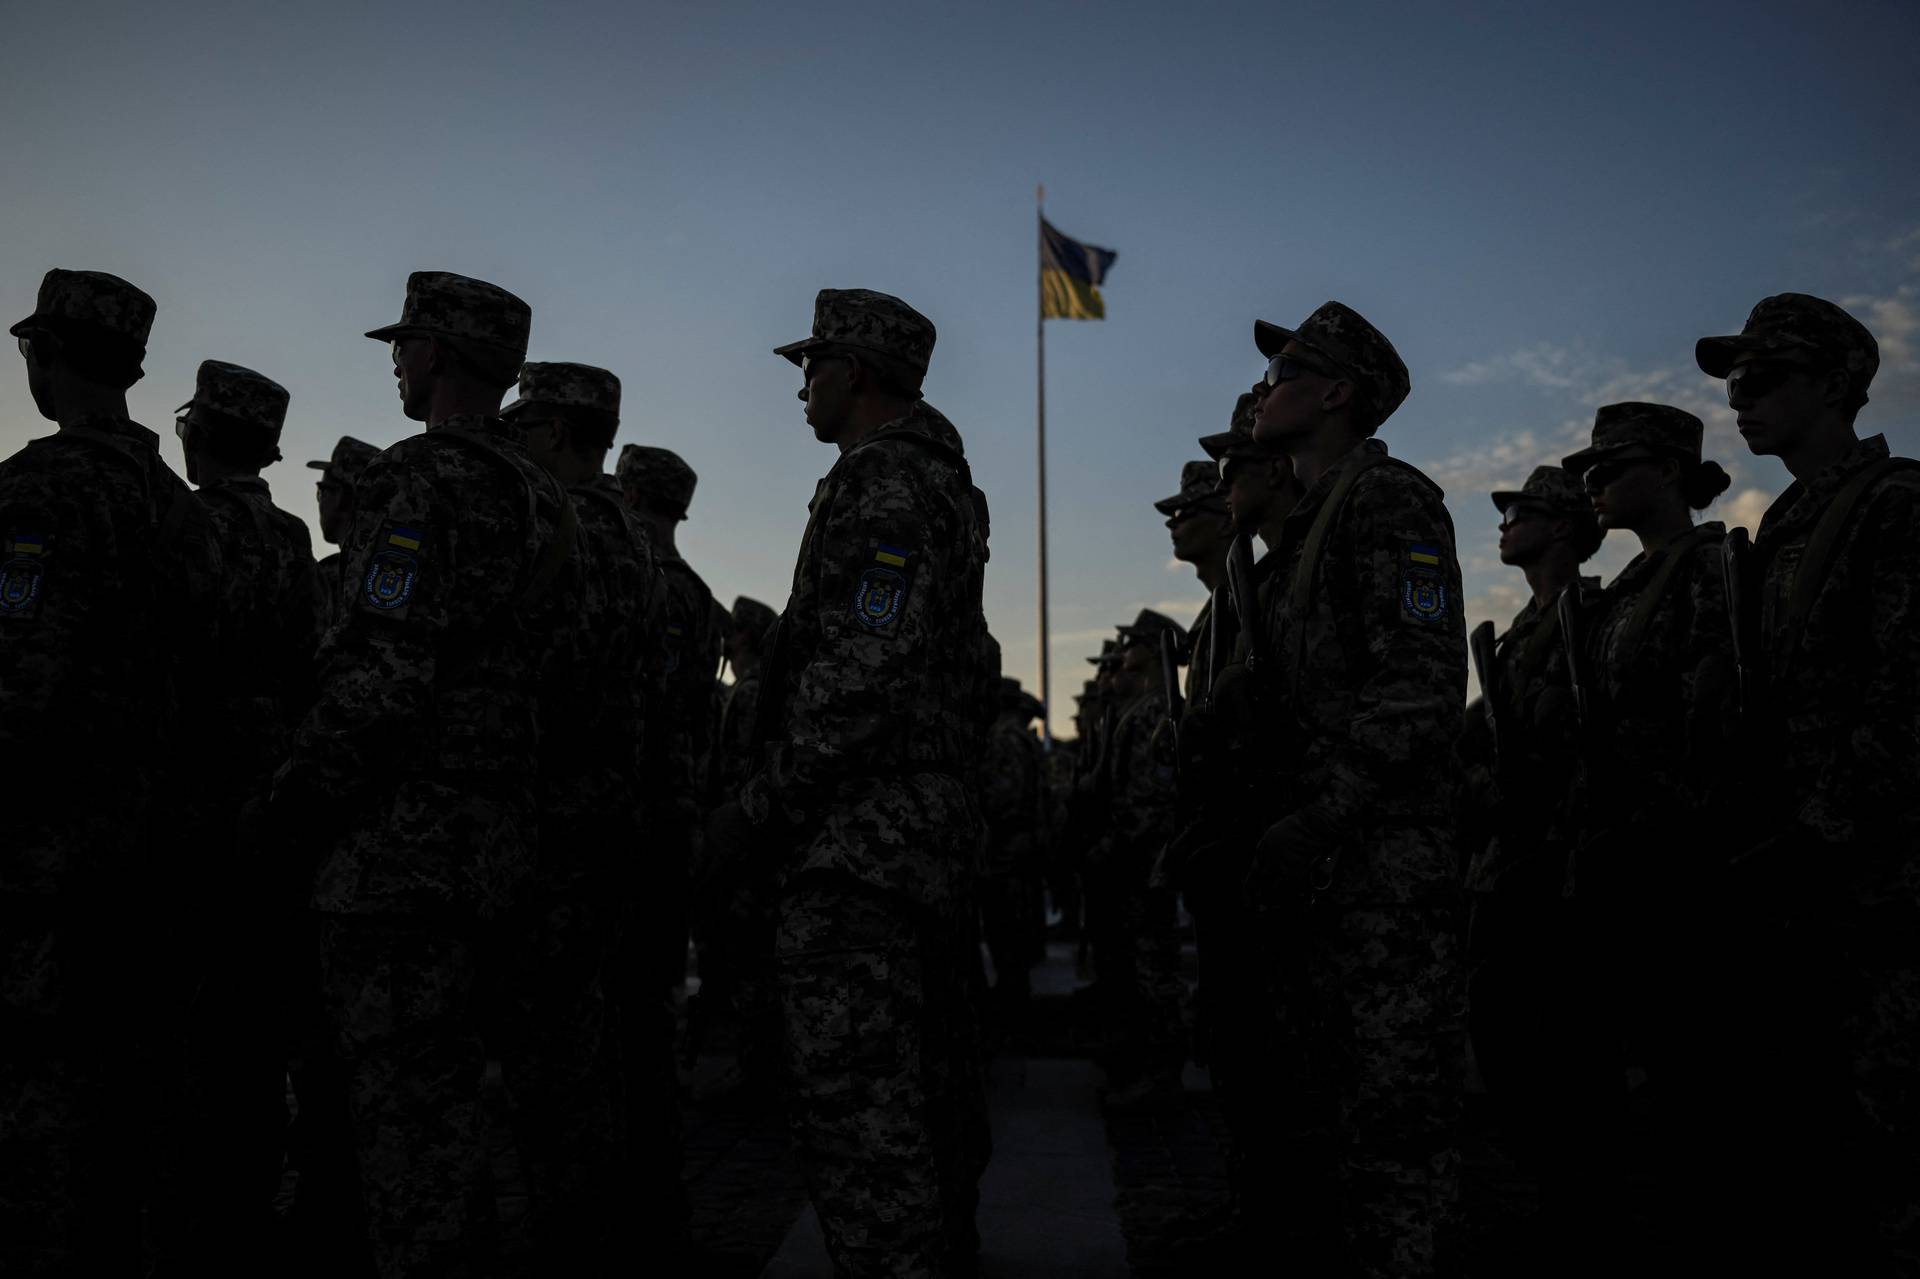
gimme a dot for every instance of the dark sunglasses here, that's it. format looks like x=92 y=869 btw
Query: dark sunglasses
x=1761 y=377
x=1284 y=368
x=1521 y=512
x=808 y=363
x=1601 y=474
x=182 y=426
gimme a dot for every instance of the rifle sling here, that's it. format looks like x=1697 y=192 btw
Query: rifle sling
x=1307 y=569
x=1648 y=604
x=1811 y=574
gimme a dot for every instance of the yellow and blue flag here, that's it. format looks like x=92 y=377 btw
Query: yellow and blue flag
x=1070 y=277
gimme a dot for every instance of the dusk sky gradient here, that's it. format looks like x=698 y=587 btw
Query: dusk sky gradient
x=1541 y=208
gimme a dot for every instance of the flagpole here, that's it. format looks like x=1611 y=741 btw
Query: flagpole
x=1040 y=445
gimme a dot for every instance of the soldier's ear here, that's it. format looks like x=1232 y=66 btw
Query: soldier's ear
x=1340 y=394
x=1835 y=387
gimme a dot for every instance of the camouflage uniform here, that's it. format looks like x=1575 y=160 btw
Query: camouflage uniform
x=606 y=1051
x=1364 y=683
x=1821 y=1033
x=350 y=458
x=104 y=616
x=1540 y=1040
x=1013 y=800
x=264 y=601
x=686 y=654
x=864 y=797
x=1136 y=944
x=413 y=779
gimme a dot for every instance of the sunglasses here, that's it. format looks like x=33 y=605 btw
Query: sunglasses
x=1601 y=474
x=1284 y=368
x=1761 y=377
x=1520 y=513
x=808 y=363
x=182 y=426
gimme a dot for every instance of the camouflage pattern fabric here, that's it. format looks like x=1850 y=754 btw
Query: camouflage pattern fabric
x=413 y=777
x=1374 y=994
x=237 y=1064
x=869 y=735
x=101 y=542
x=1013 y=801
x=661 y=474
x=559 y=385
x=868 y=729
x=1342 y=335
x=870 y=321
x=878 y=1068
x=1795 y=323
x=98 y=302
x=239 y=393
x=1817 y=939
x=1136 y=945
x=1636 y=424
x=1198 y=482
x=349 y=459
x=442 y=304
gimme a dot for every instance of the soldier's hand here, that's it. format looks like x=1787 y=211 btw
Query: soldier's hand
x=1295 y=857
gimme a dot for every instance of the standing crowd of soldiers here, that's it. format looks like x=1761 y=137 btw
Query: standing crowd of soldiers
x=1656 y=884
x=461 y=791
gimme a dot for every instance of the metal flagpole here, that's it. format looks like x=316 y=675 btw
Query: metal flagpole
x=1040 y=438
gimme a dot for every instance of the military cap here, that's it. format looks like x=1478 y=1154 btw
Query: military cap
x=1551 y=486
x=658 y=473
x=1237 y=440
x=350 y=457
x=867 y=321
x=94 y=299
x=578 y=388
x=1147 y=626
x=1199 y=485
x=442 y=304
x=1342 y=335
x=1638 y=424
x=239 y=394
x=1795 y=322
x=1109 y=651
x=751 y=615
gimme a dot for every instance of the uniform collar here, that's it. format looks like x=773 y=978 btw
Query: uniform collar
x=121 y=426
x=1803 y=502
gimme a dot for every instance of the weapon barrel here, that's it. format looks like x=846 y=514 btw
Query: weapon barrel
x=1246 y=602
x=1170 y=677
x=1734 y=551
x=1480 y=645
x=1569 y=610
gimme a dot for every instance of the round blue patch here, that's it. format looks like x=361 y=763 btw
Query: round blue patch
x=877 y=598
x=390 y=578
x=1424 y=598
x=20 y=584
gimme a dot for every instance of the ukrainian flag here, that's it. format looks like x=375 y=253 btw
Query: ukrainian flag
x=1070 y=277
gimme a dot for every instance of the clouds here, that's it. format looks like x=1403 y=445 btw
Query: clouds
x=1542 y=365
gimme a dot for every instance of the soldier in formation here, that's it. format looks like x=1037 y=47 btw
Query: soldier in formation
x=445 y=785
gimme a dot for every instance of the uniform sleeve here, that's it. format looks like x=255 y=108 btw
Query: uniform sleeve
x=877 y=551
x=406 y=586
x=1144 y=792
x=1877 y=753
x=1401 y=569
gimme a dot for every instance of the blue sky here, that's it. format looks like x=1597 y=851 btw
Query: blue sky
x=1542 y=210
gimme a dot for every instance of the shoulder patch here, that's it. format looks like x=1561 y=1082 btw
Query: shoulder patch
x=21 y=574
x=1423 y=587
x=393 y=570
x=880 y=595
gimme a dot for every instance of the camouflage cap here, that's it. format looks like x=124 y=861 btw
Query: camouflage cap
x=94 y=299
x=1551 y=486
x=751 y=615
x=442 y=304
x=579 y=387
x=1795 y=322
x=1199 y=486
x=1109 y=654
x=1342 y=335
x=868 y=321
x=658 y=473
x=1638 y=424
x=350 y=458
x=1147 y=626
x=249 y=398
x=1237 y=440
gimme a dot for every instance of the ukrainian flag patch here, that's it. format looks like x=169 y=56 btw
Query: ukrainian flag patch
x=404 y=538
x=892 y=556
x=1429 y=555
x=21 y=574
x=1423 y=588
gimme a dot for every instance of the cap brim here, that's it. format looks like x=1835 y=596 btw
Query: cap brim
x=1717 y=356
x=26 y=327
x=1215 y=446
x=794 y=352
x=320 y=466
x=520 y=405
x=1271 y=338
x=393 y=331
x=1505 y=498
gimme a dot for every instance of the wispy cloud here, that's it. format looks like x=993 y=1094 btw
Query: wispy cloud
x=1543 y=365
